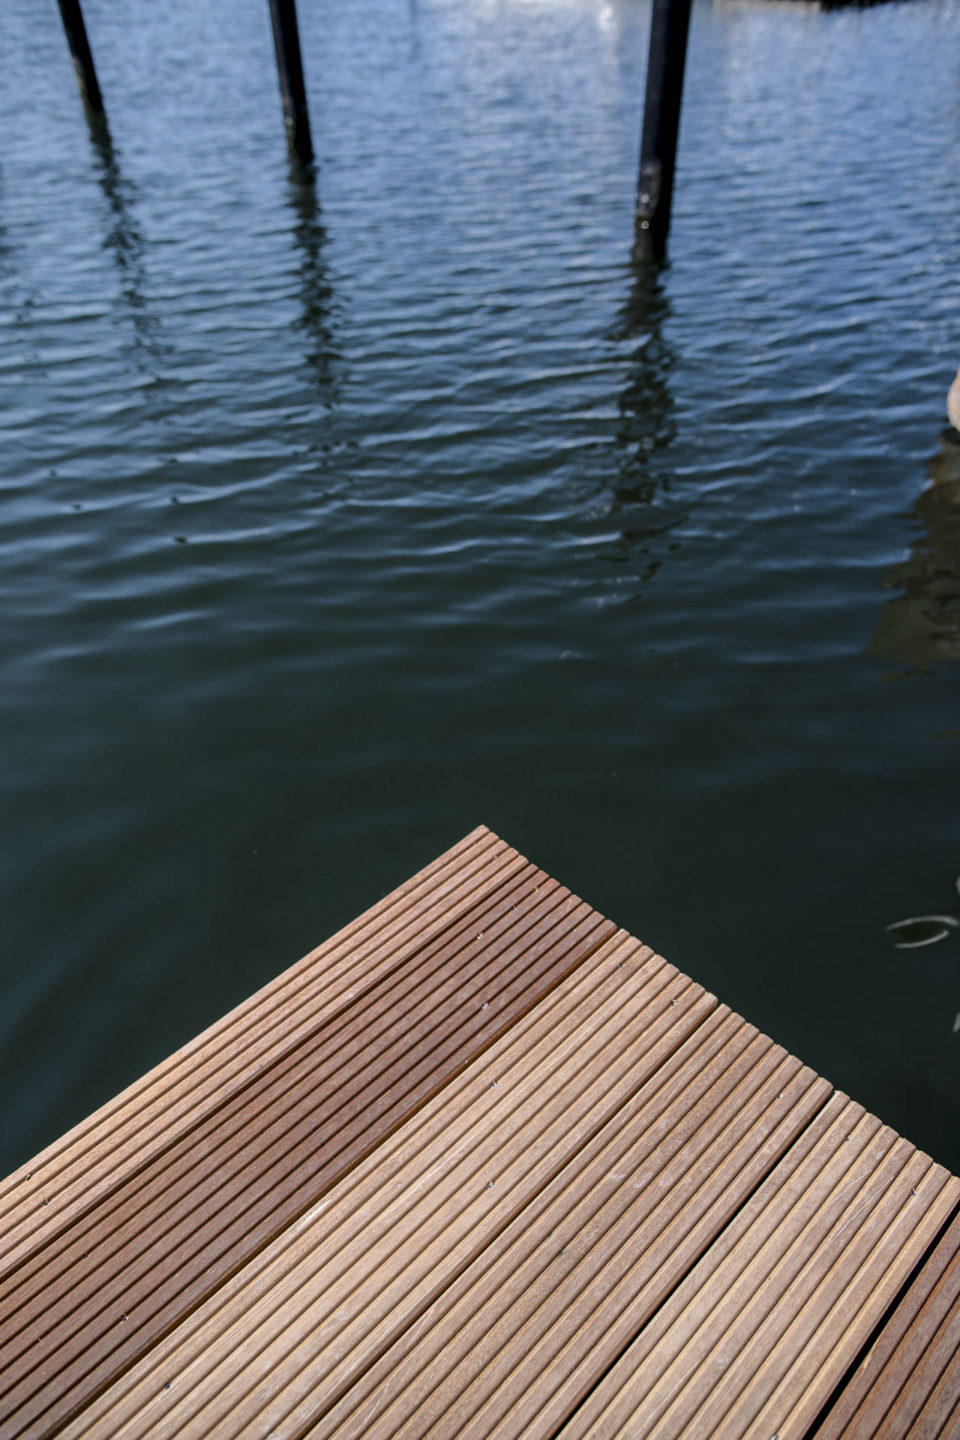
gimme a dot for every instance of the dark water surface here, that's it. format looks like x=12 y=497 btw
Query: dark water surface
x=332 y=524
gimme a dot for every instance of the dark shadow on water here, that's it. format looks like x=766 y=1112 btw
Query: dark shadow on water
x=922 y=625
x=640 y=498
x=316 y=293
x=124 y=238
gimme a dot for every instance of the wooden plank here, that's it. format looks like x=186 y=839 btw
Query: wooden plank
x=239 y=1126
x=121 y=1277
x=912 y=1364
x=755 y=1339
x=844 y=1299
x=527 y=1330
x=480 y=1166
x=75 y=1172
x=315 y=1309
x=941 y=1410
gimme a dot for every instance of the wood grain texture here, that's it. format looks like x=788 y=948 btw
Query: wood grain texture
x=480 y=1166
x=105 y=1288
x=293 y=1332
x=75 y=1172
x=523 y=1334
x=758 y=1335
x=908 y=1383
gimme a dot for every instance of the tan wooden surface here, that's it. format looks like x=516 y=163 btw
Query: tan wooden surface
x=908 y=1383
x=110 y=1283
x=762 y=1330
x=480 y=1165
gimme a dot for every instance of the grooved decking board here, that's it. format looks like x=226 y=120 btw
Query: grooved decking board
x=296 y=1329
x=480 y=1166
x=908 y=1384
x=755 y=1339
x=526 y=1331
x=104 y=1289
x=70 y=1176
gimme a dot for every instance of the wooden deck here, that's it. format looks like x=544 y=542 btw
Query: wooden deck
x=481 y=1165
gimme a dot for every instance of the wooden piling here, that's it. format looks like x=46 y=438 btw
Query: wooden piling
x=72 y=17
x=669 y=25
x=293 y=95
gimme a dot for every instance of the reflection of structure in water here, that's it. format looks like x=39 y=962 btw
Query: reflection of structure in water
x=123 y=237
x=640 y=499
x=316 y=294
x=646 y=420
x=6 y=249
x=923 y=624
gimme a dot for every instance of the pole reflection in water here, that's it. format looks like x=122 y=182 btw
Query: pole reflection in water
x=415 y=45
x=6 y=249
x=124 y=239
x=316 y=293
x=922 y=625
x=640 y=498
x=18 y=301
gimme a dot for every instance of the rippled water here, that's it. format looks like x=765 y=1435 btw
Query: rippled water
x=334 y=522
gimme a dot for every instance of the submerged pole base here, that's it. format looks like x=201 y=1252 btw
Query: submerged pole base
x=669 y=26
x=652 y=214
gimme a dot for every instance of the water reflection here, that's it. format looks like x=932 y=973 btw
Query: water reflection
x=6 y=249
x=20 y=301
x=415 y=41
x=316 y=292
x=640 y=494
x=123 y=239
x=923 y=623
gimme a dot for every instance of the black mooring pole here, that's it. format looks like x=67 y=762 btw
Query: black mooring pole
x=669 y=25
x=72 y=17
x=286 y=38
